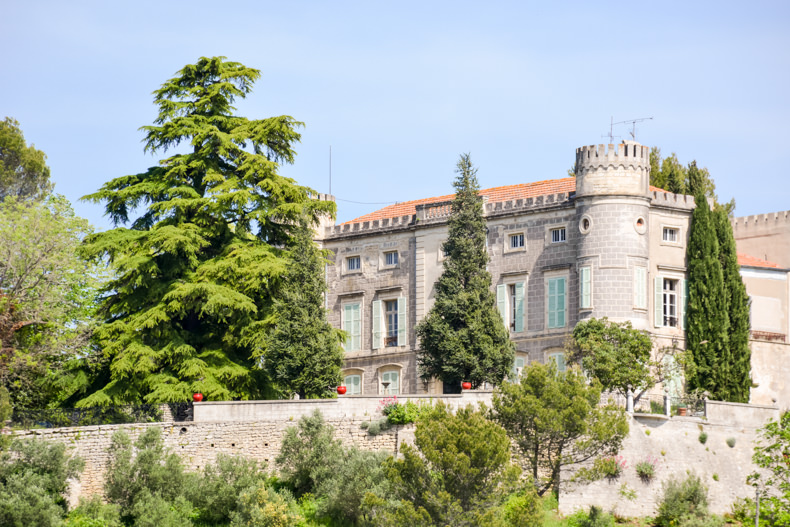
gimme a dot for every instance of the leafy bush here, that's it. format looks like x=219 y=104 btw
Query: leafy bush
x=596 y=517
x=153 y=510
x=33 y=482
x=703 y=437
x=646 y=469
x=683 y=501
x=221 y=485
x=400 y=414
x=262 y=505
x=523 y=510
x=377 y=427
x=93 y=512
x=309 y=454
x=610 y=466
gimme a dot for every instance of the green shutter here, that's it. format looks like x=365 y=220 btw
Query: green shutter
x=552 y=302
x=684 y=285
x=659 y=305
x=519 y=307
x=584 y=288
x=560 y=302
x=501 y=302
x=347 y=309
x=377 y=324
x=402 y=321
x=356 y=327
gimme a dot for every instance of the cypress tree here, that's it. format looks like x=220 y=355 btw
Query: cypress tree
x=303 y=353
x=463 y=337
x=737 y=310
x=706 y=317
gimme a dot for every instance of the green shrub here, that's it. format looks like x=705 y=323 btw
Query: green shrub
x=682 y=499
x=153 y=510
x=400 y=413
x=358 y=473
x=374 y=428
x=93 y=512
x=221 y=484
x=703 y=437
x=309 y=454
x=731 y=442
x=523 y=509
x=262 y=506
x=646 y=469
x=609 y=467
x=24 y=502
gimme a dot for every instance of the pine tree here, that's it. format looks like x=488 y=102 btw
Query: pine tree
x=190 y=304
x=463 y=337
x=303 y=353
x=706 y=317
x=737 y=310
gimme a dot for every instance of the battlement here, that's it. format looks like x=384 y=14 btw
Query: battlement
x=771 y=219
x=628 y=154
x=663 y=198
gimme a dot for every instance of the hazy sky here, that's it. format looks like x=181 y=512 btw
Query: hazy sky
x=400 y=89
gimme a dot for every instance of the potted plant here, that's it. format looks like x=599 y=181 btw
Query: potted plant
x=681 y=409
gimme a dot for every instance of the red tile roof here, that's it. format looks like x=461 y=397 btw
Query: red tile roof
x=752 y=261
x=494 y=195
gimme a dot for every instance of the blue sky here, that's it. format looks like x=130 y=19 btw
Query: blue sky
x=400 y=90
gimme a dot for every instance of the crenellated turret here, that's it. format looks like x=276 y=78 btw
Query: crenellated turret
x=622 y=169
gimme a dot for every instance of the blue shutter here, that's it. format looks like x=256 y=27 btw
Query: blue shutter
x=584 y=288
x=519 y=307
x=552 y=312
x=377 y=324
x=561 y=302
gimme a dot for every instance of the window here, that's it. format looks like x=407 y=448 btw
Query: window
x=352 y=324
x=391 y=258
x=510 y=302
x=517 y=241
x=559 y=360
x=391 y=313
x=353 y=263
x=556 y=302
x=558 y=235
x=518 y=367
x=670 y=302
x=353 y=384
x=390 y=382
x=585 y=288
x=389 y=323
x=640 y=288
x=670 y=234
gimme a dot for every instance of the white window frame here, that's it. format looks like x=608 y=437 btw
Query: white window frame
x=551 y=315
x=388 y=371
x=665 y=228
x=385 y=255
x=520 y=240
x=349 y=268
x=559 y=229
x=660 y=296
x=347 y=325
x=585 y=288
x=512 y=304
x=379 y=323
x=349 y=387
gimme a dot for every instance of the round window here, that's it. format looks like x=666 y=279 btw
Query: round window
x=585 y=224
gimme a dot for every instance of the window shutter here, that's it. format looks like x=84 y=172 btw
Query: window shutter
x=402 y=321
x=519 y=307
x=640 y=284
x=659 y=305
x=356 y=326
x=584 y=285
x=377 y=324
x=560 y=302
x=501 y=302
x=552 y=303
x=347 y=317
x=684 y=293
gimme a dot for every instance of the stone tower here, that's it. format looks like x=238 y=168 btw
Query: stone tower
x=612 y=206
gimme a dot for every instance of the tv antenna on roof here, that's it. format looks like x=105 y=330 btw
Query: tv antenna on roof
x=632 y=122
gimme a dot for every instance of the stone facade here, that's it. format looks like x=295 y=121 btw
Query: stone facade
x=604 y=243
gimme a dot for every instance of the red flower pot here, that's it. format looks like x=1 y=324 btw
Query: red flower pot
x=466 y=385
x=341 y=390
x=197 y=397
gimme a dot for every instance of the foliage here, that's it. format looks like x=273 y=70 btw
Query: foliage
x=221 y=484
x=596 y=517
x=46 y=295
x=23 y=169
x=703 y=437
x=523 y=509
x=614 y=353
x=682 y=501
x=358 y=473
x=144 y=472
x=706 y=318
x=264 y=507
x=773 y=482
x=309 y=454
x=463 y=338
x=303 y=352
x=646 y=468
x=669 y=174
x=730 y=442
x=459 y=467
x=738 y=381
x=33 y=482
x=401 y=414
x=610 y=466
x=93 y=512
x=154 y=510
x=555 y=420
x=191 y=303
